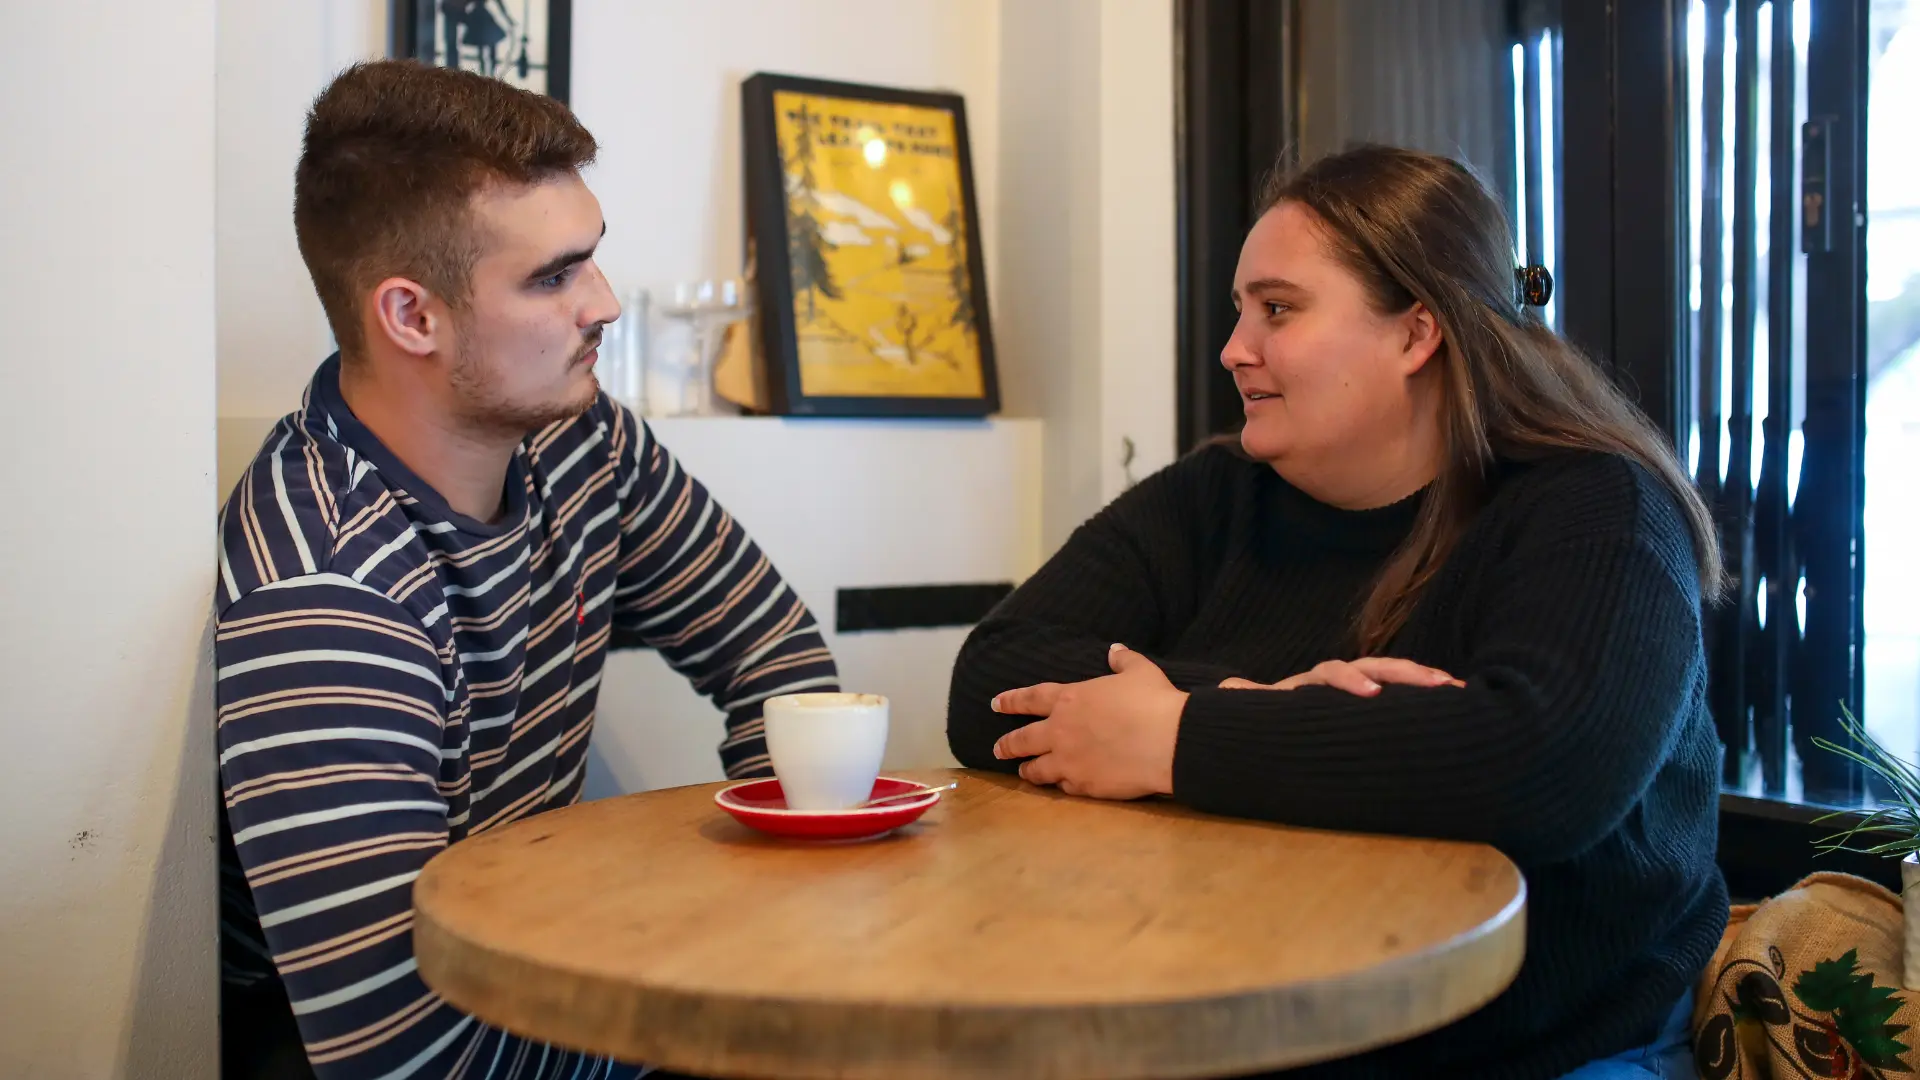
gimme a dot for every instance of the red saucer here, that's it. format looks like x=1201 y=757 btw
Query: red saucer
x=761 y=804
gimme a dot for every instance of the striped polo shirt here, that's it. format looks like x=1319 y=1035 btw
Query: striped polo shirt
x=394 y=676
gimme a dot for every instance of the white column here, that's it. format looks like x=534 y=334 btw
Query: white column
x=107 y=919
x=1086 y=291
x=1139 y=300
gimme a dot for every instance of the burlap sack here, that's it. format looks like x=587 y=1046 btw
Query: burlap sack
x=1808 y=984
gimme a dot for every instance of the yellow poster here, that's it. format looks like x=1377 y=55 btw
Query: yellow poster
x=876 y=240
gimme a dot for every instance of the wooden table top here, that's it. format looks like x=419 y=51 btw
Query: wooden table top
x=1012 y=931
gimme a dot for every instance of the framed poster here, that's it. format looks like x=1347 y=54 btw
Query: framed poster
x=525 y=42
x=865 y=243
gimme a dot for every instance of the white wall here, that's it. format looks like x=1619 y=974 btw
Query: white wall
x=1138 y=276
x=106 y=547
x=1070 y=110
x=659 y=85
x=1086 y=239
x=274 y=57
x=838 y=503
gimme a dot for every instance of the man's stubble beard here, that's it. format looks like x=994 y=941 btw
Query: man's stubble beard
x=483 y=408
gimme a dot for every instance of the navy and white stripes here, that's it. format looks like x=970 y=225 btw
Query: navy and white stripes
x=394 y=677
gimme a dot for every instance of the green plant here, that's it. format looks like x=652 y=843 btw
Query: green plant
x=1896 y=825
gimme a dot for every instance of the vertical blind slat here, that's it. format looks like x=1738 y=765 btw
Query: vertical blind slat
x=1773 y=548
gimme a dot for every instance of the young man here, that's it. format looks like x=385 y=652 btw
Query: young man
x=421 y=570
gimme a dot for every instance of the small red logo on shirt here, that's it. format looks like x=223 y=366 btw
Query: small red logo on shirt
x=579 y=608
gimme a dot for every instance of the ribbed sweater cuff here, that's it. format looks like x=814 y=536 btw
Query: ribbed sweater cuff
x=1212 y=756
x=1191 y=675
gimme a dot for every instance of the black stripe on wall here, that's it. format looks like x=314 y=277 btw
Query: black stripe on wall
x=909 y=607
x=891 y=607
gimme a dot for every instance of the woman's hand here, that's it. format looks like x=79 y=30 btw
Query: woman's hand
x=1108 y=738
x=1362 y=677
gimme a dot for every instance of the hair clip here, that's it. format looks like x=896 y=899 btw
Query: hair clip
x=1532 y=286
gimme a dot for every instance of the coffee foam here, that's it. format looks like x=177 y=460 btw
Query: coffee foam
x=828 y=701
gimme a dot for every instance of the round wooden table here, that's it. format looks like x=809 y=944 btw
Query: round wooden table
x=1011 y=932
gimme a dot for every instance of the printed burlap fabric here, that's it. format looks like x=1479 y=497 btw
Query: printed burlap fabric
x=1807 y=984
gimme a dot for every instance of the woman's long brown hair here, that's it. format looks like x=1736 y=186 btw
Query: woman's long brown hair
x=1419 y=228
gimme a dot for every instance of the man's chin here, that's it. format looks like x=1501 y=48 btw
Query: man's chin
x=582 y=382
x=588 y=394
x=580 y=400
x=521 y=421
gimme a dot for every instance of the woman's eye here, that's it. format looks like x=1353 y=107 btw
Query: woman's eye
x=1274 y=308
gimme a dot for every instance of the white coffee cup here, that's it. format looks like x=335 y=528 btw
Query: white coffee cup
x=826 y=748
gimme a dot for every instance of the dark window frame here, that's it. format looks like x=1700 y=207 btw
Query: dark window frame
x=1236 y=73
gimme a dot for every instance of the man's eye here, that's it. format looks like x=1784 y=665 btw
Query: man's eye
x=556 y=280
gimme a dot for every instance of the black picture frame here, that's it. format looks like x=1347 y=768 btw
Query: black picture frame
x=418 y=31
x=766 y=205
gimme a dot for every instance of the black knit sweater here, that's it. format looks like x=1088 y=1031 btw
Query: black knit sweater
x=1581 y=746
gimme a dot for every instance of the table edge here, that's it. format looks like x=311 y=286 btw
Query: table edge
x=1249 y=1030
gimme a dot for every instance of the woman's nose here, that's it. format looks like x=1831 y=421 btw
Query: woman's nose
x=1237 y=354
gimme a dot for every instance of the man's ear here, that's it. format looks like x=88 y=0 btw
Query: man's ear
x=405 y=313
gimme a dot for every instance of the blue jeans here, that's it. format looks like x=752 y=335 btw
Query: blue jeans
x=1669 y=1057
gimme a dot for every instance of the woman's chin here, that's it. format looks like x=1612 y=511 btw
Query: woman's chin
x=1260 y=445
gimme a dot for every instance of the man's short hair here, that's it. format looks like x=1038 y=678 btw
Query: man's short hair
x=395 y=151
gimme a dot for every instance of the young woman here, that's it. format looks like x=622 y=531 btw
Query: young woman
x=1447 y=584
